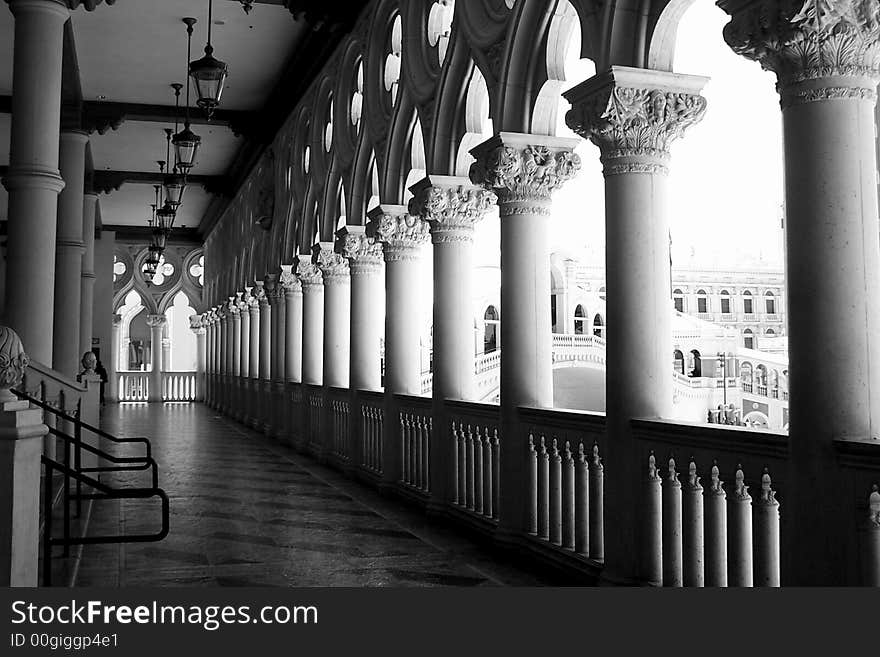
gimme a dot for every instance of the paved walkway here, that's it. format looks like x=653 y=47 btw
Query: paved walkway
x=246 y=511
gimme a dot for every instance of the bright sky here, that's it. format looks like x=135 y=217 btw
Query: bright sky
x=726 y=175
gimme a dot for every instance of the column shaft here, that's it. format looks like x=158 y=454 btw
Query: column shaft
x=337 y=315
x=313 y=325
x=87 y=281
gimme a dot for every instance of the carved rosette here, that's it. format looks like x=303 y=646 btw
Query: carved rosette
x=309 y=275
x=818 y=49
x=633 y=126
x=13 y=362
x=524 y=177
x=452 y=212
x=402 y=235
x=364 y=253
x=333 y=266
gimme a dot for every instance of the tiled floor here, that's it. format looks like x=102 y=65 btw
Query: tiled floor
x=246 y=511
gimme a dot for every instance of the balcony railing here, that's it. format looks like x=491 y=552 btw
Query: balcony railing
x=176 y=386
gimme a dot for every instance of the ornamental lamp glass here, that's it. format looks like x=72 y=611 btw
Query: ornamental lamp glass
x=165 y=217
x=175 y=186
x=209 y=75
x=186 y=147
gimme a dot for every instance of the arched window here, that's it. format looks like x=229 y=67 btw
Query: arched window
x=770 y=303
x=748 y=305
x=746 y=373
x=678 y=299
x=579 y=320
x=695 y=364
x=602 y=293
x=678 y=361
x=725 y=302
x=490 y=329
x=182 y=349
x=598 y=326
x=702 y=301
x=748 y=339
x=770 y=331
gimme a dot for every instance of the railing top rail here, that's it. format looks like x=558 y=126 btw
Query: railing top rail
x=583 y=419
x=859 y=452
x=473 y=408
x=371 y=395
x=712 y=437
x=414 y=400
x=48 y=373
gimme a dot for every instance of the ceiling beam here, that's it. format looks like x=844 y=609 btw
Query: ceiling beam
x=106 y=182
x=142 y=234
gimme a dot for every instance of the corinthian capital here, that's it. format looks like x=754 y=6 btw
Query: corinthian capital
x=156 y=321
x=309 y=274
x=810 y=40
x=633 y=115
x=402 y=234
x=451 y=205
x=333 y=266
x=260 y=293
x=289 y=281
x=364 y=253
x=524 y=169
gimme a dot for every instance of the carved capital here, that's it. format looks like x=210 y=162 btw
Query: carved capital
x=309 y=274
x=364 y=253
x=289 y=281
x=524 y=170
x=333 y=266
x=260 y=293
x=401 y=234
x=117 y=320
x=156 y=321
x=13 y=362
x=452 y=206
x=633 y=115
x=819 y=49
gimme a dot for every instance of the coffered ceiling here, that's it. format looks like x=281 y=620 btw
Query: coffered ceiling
x=129 y=52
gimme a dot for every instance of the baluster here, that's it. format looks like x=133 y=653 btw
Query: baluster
x=496 y=474
x=417 y=450
x=462 y=466
x=597 y=506
x=379 y=428
x=652 y=525
x=487 y=475
x=716 y=531
x=692 y=528
x=533 y=487
x=581 y=502
x=404 y=452
x=426 y=451
x=567 y=498
x=456 y=490
x=543 y=491
x=766 y=511
x=739 y=547
x=469 y=467
x=672 y=547
x=872 y=570
x=478 y=469
x=555 y=487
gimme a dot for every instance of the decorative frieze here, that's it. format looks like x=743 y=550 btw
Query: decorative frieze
x=401 y=234
x=452 y=207
x=818 y=49
x=634 y=115
x=524 y=170
x=333 y=266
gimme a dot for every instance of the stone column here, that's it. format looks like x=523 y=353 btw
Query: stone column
x=245 y=314
x=222 y=326
x=166 y=354
x=825 y=56
x=66 y=352
x=33 y=179
x=197 y=323
x=313 y=320
x=633 y=115
x=265 y=370
x=337 y=314
x=254 y=355
x=452 y=207
x=231 y=318
x=112 y=393
x=523 y=170
x=276 y=299
x=21 y=444
x=293 y=307
x=367 y=302
x=235 y=310
x=87 y=280
x=157 y=326
x=403 y=238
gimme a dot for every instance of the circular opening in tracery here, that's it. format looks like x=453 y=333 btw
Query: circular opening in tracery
x=357 y=97
x=440 y=27
x=328 y=127
x=392 y=59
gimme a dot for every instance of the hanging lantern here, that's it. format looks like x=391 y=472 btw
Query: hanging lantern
x=175 y=185
x=209 y=73
x=186 y=142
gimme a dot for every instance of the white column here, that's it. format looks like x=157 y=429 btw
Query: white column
x=33 y=179
x=313 y=322
x=255 y=332
x=157 y=325
x=198 y=323
x=367 y=305
x=403 y=238
x=66 y=352
x=112 y=394
x=265 y=333
x=337 y=314
x=245 y=342
x=825 y=60
x=635 y=155
x=523 y=170
x=229 y=343
x=452 y=206
x=235 y=352
x=87 y=281
x=222 y=329
x=293 y=307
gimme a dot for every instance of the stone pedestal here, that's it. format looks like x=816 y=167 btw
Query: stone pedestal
x=523 y=170
x=633 y=115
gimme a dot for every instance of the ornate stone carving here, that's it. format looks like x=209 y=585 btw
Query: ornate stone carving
x=804 y=40
x=197 y=322
x=633 y=126
x=333 y=266
x=260 y=293
x=13 y=362
x=401 y=234
x=156 y=321
x=522 y=174
x=451 y=210
x=309 y=274
x=289 y=281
